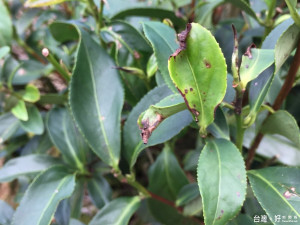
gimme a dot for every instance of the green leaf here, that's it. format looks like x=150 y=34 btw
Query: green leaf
x=6 y=29
x=243 y=5
x=76 y=199
x=26 y=165
x=283 y=39
x=187 y=193
x=198 y=70
x=283 y=123
x=277 y=186
x=4 y=51
x=219 y=128
x=292 y=4
x=75 y=222
x=96 y=99
x=149 y=120
x=66 y=137
x=222 y=181
x=35 y=123
x=254 y=64
x=166 y=178
x=42 y=3
x=163 y=40
x=169 y=128
x=6 y=213
x=242 y=219
x=99 y=190
x=48 y=189
x=32 y=93
x=20 y=111
x=8 y=126
x=117 y=212
x=151 y=66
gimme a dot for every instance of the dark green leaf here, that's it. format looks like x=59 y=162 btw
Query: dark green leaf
x=242 y=219
x=222 y=181
x=168 y=129
x=198 y=70
x=6 y=30
x=99 y=190
x=65 y=136
x=8 y=126
x=163 y=40
x=35 y=123
x=277 y=186
x=283 y=123
x=187 y=193
x=76 y=199
x=48 y=189
x=26 y=165
x=4 y=51
x=117 y=212
x=63 y=212
x=219 y=127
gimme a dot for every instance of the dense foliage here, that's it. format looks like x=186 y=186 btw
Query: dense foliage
x=108 y=117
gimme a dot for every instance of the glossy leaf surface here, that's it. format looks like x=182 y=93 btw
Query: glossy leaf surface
x=26 y=165
x=222 y=181
x=96 y=99
x=277 y=186
x=117 y=212
x=48 y=189
x=35 y=123
x=163 y=40
x=198 y=70
x=168 y=128
x=66 y=137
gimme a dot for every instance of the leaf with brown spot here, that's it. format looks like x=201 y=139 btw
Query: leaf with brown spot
x=199 y=66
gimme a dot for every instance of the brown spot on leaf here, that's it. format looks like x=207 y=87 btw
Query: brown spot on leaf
x=182 y=39
x=207 y=64
x=191 y=89
x=148 y=128
x=248 y=52
x=287 y=194
x=186 y=91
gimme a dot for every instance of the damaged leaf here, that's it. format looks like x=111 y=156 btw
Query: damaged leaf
x=150 y=119
x=198 y=69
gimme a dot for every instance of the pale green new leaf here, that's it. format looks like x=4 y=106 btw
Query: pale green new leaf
x=32 y=93
x=117 y=212
x=222 y=181
x=277 y=190
x=198 y=70
x=20 y=111
x=255 y=64
x=26 y=165
x=48 y=189
x=283 y=123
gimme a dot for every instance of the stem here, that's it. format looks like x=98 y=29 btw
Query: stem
x=239 y=132
x=100 y=20
x=227 y=105
x=65 y=75
x=285 y=89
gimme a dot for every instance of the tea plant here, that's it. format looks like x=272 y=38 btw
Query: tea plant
x=108 y=117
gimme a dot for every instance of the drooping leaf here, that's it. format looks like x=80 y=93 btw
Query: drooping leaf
x=6 y=213
x=254 y=64
x=26 y=165
x=169 y=128
x=8 y=126
x=31 y=94
x=99 y=190
x=20 y=111
x=96 y=98
x=48 y=189
x=117 y=212
x=198 y=70
x=187 y=193
x=283 y=123
x=277 y=186
x=66 y=137
x=42 y=3
x=166 y=179
x=163 y=40
x=149 y=120
x=6 y=30
x=222 y=181
x=35 y=123
x=219 y=128
x=283 y=39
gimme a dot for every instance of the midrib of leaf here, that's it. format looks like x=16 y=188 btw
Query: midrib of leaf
x=219 y=186
x=168 y=173
x=52 y=197
x=100 y=191
x=162 y=37
x=126 y=211
x=275 y=190
x=97 y=105
x=198 y=90
x=73 y=153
